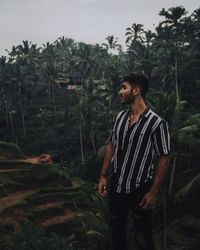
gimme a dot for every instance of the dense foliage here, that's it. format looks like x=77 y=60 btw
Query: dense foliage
x=61 y=98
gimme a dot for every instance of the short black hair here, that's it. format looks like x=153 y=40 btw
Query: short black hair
x=140 y=80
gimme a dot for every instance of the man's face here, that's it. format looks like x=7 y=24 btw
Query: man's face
x=126 y=93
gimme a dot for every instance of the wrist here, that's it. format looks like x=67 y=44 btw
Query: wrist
x=103 y=174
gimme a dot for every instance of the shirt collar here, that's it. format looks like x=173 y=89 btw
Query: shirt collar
x=144 y=114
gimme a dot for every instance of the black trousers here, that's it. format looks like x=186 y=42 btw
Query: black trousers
x=120 y=206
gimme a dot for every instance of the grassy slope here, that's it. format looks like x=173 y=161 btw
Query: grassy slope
x=49 y=198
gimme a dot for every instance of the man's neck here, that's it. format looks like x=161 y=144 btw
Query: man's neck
x=138 y=106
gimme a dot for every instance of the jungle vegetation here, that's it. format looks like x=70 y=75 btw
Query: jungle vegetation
x=61 y=98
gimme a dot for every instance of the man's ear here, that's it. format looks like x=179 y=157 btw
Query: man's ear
x=136 y=91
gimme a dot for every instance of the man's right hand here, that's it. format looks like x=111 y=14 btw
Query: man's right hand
x=105 y=169
x=102 y=186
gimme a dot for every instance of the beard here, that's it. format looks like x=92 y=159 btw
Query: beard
x=128 y=99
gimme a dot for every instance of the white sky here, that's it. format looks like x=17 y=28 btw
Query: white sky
x=90 y=21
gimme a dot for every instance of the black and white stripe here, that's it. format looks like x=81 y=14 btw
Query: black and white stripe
x=135 y=148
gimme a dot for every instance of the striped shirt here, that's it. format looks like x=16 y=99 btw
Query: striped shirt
x=135 y=149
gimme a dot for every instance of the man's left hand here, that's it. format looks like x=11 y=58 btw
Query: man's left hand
x=148 y=201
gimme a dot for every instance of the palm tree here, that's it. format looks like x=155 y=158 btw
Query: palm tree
x=146 y=63
x=172 y=25
x=112 y=44
x=135 y=48
x=134 y=33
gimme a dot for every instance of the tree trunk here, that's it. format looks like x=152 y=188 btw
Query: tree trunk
x=65 y=132
x=25 y=97
x=172 y=174
x=7 y=114
x=81 y=143
x=92 y=138
x=176 y=80
x=12 y=126
x=165 y=220
x=23 y=121
x=50 y=89
x=55 y=109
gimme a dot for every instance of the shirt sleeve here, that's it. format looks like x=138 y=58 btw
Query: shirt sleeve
x=161 y=139
x=111 y=137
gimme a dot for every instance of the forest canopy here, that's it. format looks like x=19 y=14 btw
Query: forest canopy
x=62 y=97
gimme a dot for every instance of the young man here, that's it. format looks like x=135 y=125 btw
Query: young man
x=137 y=137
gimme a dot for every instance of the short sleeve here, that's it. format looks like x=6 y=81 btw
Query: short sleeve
x=111 y=137
x=161 y=139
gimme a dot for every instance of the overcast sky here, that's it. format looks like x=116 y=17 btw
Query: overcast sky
x=90 y=21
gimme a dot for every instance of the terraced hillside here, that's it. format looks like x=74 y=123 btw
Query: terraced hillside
x=47 y=197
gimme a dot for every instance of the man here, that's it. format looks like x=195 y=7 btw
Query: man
x=137 y=137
